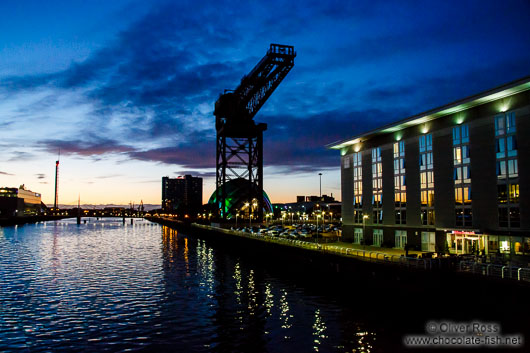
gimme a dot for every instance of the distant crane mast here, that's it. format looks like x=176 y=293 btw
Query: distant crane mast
x=56 y=200
x=239 y=138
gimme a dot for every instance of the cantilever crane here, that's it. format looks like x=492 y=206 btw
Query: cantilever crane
x=239 y=138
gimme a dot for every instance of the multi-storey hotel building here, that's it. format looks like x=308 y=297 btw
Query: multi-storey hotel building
x=454 y=179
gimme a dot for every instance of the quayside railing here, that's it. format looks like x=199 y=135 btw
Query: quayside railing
x=484 y=269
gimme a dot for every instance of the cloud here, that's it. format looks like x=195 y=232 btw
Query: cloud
x=5 y=173
x=40 y=176
x=109 y=176
x=90 y=147
x=20 y=156
x=291 y=143
x=152 y=88
x=195 y=173
x=196 y=155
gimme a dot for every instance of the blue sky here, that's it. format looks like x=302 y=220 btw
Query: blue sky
x=125 y=89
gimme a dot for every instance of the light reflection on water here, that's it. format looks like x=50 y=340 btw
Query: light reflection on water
x=106 y=285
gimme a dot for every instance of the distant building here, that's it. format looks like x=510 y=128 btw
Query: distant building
x=306 y=207
x=19 y=202
x=454 y=179
x=182 y=194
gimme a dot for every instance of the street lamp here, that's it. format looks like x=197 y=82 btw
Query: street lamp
x=320 y=176
x=365 y=217
x=248 y=206
x=237 y=215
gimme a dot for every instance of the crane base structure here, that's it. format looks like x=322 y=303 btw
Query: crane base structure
x=239 y=139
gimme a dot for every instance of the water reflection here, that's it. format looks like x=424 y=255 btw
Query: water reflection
x=105 y=285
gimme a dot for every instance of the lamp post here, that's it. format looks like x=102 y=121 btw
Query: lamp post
x=320 y=176
x=365 y=217
x=247 y=204
x=237 y=215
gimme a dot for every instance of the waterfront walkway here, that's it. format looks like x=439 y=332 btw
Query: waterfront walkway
x=389 y=256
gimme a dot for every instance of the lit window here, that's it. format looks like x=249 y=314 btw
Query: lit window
x=501 y=169
x=500 y=148
x=465 y=154
x=510 y=122
x=499 y=125
x=465 y=134
x=511 y=146
x=456 y=135
x=457 y=155
x=514 y=193
x=513 y=170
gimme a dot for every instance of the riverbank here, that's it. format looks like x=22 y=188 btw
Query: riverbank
x=342 y=259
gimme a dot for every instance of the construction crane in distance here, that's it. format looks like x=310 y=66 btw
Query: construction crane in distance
x=239 y=138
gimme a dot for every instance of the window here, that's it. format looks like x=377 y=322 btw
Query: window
x=456 y=135
x=514 y=193
x=462 y=176
x=400 y=185
x=515 y=217
x=358 y=216
x=457 y=155
x=500 y=148
x=465 y=154
x=502 y=196
x=377 y=216
x=503 y=217
x=358 y=236
x=511 y=146
x=427 y=216
x=378 y=237
x=357 y=181
x=513 y=170
x=377 y=184
x=499 y=125
x=465 y=134
x=507 y=170
x=428 y=241
x=501 y=169
x=376 y=154
x=510 y=123
x=400 y=238
x=427 y=175
x=401 y=216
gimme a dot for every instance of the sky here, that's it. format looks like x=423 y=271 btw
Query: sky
x=126 y=89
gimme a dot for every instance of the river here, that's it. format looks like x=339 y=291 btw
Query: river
x=109 y=286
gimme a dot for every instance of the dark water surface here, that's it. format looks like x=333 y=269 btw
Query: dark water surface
x=105 y=286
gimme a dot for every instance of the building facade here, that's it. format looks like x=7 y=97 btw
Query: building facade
x=19 y=202
x=182 y=195
x=455 y=179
